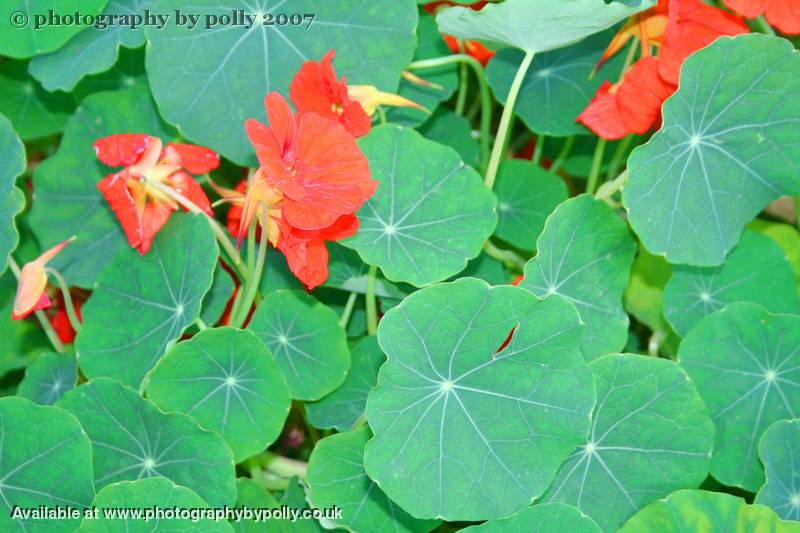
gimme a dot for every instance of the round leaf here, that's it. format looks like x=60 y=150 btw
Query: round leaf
x=729 y=144
x=33 y=111
x=346 y=271
x=45 y=459
x=449 y=408
x=148 y=494
x=779 y=450
x=535 y=25
x=24 y=34
x=12 y=201
x=455 y=131
x=585 y=254
x=557 y=86
x=306 y=341
x=699 y=510
x=746 y=366
x=208 y=81
x=342 y=408
x=67 y=201
x=226 y=379
x=336 y=477
x=133 y=439
x=49 y=378
x=755 y=271
x=548 y=518
x=644 y=296
x=251 y=494
x=93 y=50
x=651 y=435
x=23 y=340
x=217 y=297
x=526 y=195
x=142 y=304
x=430 y=214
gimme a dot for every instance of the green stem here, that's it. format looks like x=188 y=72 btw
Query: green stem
x=216 y=227
x=506 y=256
x=372 y=308
x=537 y=151
x=283 y=466
x=40 y=315
x=461 y=99
x=619 y=153
x=381 y=115
x=797 y=208
x=763 y=26
x=348 y=309
x=607 y=190
x=486 y=98
x=251 y=246
x=563 y=154
x=74 y=321
x=505 y=120
x=201 y=325
x=597 y=161
x=240 y=313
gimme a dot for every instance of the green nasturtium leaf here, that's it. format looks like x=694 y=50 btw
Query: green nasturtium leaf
x=779 y=450
x=45 y=459
x=133 y=439
x=217 y=296
x=306 y=341
x=336 y=477
x=276 y=274
x=711 y=512
x=746 y=366
x=148 y=494
x=226 y=379
x=127 y=72
x=486 y=268
x=644 y=296
x=34 y=112
x=535 y=25
x=342 y=408
x=543 y=518
x=142 y=304
x=585 y=254
x=444 y=78
x=295 y=497
x=445 y=127
x=526 y=195
x=787 y=238
x=23 y=340
x=756 y=271
x=250 y=494
x=209 y=81
x=430 y=214
x=49 y=378
x=651 y=435
x=12 y=200
x=93 y=50
x=67 y=201
x=347 y=272
x=557 y=87
x=729 y=144
x=449 y=408
x=29 y=29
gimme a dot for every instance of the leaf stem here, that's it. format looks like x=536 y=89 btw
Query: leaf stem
x=463 y=82
x=216 y=227
x=486 y=98
x=597 y=161
x=243 y=309
x=372 y=309
x=607 y=190
x=563 y=154
x=505 y=120
x=763 y=26
x=40 y=315
x=506 y=256
x=348 y=309
x=616 y=159
x=283 y=466
x=201 y=325
x=74 y=321
x=537 y=151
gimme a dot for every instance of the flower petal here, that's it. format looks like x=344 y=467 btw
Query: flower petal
x=184 y=184
x=640 y=95
x=784 y=15
x=30 y=295
x=603 y=116
x=114 y=188
x=121 y=150
x=194 y=159
x=154 y=218
x=749 y=8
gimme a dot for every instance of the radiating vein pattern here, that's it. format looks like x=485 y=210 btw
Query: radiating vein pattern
x=729 y=144
x=779 y=450
x=650 y=435
x=460 y=429
x=756 y=355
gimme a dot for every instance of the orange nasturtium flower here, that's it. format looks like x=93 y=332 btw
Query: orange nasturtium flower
x=315 y=89
x=141 y=208
x=783 y=14
x=633 y=105
x=31 y=295
x=311 y=180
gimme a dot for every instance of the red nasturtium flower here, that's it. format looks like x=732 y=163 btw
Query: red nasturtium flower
x=140 y=208
x=473 y=48
x=782 y=14
x=311 y=180
x=60 y=320
x=31 y=295
x=633 y=105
